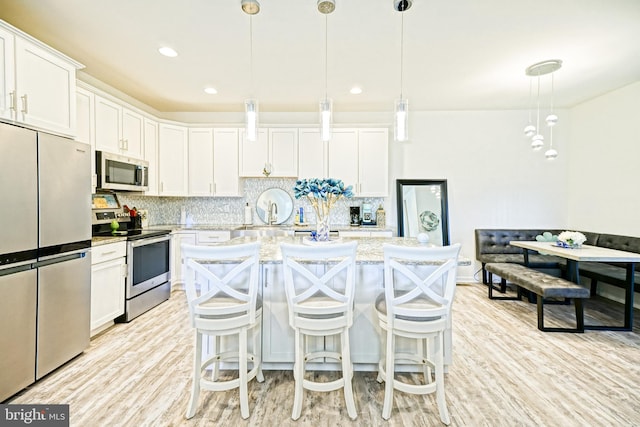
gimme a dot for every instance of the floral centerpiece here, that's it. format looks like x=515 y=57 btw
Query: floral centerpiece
x=571 y=239
x=322 y=194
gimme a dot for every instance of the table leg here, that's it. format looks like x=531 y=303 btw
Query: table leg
x=573 y=271
x=628 y=298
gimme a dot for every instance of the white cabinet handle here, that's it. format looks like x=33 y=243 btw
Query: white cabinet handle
x=107 y=253
x=13 y=101
x=266 y=275
x=25 y=104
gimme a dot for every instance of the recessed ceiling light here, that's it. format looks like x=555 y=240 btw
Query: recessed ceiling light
x=210 y=90
x=356 y=90
x=167 y=51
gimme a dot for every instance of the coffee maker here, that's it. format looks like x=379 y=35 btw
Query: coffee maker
x=354 y=214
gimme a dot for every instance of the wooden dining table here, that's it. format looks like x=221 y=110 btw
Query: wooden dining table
x=574 y=256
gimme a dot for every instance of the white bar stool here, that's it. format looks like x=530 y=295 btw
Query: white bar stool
x=320 y=302
x=419 y=286
x=222 y=291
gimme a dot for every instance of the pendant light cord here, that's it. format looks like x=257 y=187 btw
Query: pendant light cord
x=326 y=56
x=401 y=50
x=251 y=55
x=538 y=106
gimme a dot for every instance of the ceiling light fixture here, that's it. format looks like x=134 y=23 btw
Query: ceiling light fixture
x=251 y=104
x=167 y=51
x=210 y=90
x=250 y=7
x=401 y=119
x=537 y=140
x=326 y=104
x=356 y=90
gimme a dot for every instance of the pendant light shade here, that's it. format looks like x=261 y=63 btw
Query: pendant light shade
x=326 y=112
x=401 y=121
x=251 y=119
x=326 y=6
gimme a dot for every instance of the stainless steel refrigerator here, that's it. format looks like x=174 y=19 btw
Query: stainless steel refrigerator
x=45 y=261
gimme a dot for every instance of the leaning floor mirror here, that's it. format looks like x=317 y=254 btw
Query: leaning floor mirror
x=422 y=208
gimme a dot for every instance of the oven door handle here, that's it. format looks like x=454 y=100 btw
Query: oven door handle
x=149 y=241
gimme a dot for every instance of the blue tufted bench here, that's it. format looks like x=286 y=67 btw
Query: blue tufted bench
x=544 y=286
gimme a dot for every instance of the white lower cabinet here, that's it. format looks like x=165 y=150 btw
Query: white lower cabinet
x=278 y=337
x=108 y=275
x=367 y=233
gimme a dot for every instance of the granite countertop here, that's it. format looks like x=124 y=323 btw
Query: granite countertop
x=105 y=240
x=369 y=248
x=295 y=227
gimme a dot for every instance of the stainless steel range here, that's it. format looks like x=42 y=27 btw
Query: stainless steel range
x=148 y=280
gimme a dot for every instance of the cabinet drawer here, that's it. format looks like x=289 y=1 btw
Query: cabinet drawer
x=108 y=252
x=208 y=237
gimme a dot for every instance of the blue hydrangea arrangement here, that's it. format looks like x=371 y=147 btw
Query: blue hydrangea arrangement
x=322 y=194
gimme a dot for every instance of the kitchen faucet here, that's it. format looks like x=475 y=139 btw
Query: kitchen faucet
x=273 y=213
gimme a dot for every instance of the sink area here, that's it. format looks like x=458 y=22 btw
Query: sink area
x=262 y=231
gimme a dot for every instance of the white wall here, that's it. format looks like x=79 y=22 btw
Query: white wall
x=605 y=163
x=494 y=179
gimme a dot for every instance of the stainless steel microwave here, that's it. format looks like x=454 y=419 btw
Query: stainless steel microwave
x=121 y=173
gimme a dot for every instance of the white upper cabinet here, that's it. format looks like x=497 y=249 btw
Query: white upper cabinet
x=37 y=83
x=373 y=162
x=7 y=75
x=311 y=154
x=342 y=159
x=172 y=160
x=213 y=162
x=275 y=152
x=85 y=109
x=118 y=130
x=226 y=180
x=151 y=154
x=283 y=151
x=359 y=157
x=200 y=170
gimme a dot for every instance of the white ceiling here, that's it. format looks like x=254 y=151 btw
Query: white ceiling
x=459 y=55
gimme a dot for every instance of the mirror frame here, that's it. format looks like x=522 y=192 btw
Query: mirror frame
x=403 y=184
x=282 y=216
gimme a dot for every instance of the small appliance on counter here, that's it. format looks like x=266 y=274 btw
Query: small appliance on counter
x=354 y=214
x=367 y=214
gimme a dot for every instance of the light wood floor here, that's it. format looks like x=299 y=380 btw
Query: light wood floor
x=505 y=373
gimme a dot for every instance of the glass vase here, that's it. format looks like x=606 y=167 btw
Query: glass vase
x=322 y=222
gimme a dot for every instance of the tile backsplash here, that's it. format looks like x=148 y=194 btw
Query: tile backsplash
x=230 y=210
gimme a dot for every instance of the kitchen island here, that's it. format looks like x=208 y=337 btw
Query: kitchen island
x=277 y=335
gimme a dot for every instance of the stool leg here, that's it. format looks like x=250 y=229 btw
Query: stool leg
x=383 y=346
x=389 y=374
x=195 y=385
x=257 y=350
x=216 y=365
x=347 y=374
x=298 y=375
x=440 y=396
x=242 y=373
x=425 y=353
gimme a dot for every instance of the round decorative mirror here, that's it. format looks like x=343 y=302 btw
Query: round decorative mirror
x=274 y=206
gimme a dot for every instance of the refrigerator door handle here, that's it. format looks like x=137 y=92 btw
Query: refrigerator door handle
x=54 y=259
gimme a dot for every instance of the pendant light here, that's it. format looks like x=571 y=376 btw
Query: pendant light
x=551 y=120
x=251 y=105
x=401 y=110
x=326 y=105
x=537 y=141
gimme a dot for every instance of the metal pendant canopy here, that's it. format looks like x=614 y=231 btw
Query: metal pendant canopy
x=543 y=67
